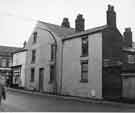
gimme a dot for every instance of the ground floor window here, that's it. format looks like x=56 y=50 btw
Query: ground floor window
x=32 y=74
x=17 y=76
x=84 y=71
x=52 y=70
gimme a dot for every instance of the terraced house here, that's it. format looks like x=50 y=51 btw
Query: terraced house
x=75 y=61
x=92 y=61
x=43 y=56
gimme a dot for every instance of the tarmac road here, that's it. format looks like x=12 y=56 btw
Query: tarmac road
x=23 y=102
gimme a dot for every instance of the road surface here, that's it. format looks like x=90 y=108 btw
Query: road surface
x=22 y=102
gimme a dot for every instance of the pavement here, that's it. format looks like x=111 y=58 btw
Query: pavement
x=88 y=100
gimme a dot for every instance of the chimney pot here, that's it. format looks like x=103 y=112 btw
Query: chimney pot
x=79 y=23
x=128 y=29
x=128 y=37
x=111 y=16
x=65 y=23
x=109 y=7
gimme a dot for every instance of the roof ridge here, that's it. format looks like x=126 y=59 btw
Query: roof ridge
x=97 y=27
x=56 y=25
x=91 y=30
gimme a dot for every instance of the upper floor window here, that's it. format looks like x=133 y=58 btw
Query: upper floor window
x=33 y=56
x=52 y=52
x=131 y=59
x=34 y=37
x=85 y=46
x=4 y=62
x=7 y=63
x=10 y=63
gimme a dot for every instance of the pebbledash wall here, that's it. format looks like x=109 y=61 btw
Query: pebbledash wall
x=71 y=73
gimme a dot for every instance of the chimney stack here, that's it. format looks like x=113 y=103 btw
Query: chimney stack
x=65 y=23
x=127 y=37
x=79 y=23
x=111 y=16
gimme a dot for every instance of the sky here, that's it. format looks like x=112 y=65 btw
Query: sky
x=18 y=17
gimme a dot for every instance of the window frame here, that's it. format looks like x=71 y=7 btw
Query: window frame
x=53 y=52
x=84 y=79
x=34 y=37
x=131 y=59
x=84 y=46
x=32 y=75
x=4 y=62
x=33 y=57
x=52 y=71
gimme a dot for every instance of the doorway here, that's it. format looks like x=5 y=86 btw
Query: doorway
x=41 y=79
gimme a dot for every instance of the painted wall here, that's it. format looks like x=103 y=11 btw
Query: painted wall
x=71 y=84
x=43 y=52
x=20 y=59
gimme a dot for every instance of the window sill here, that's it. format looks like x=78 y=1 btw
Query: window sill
x=32 y=62
x=84 y=56
x=84 y=81
x=51 y=62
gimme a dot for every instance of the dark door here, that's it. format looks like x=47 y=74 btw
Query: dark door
x=41 y=79
x=112 y=83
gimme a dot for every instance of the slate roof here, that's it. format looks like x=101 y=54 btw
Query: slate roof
x=19 y=50
x=6 y=50
x=58 y=30
x=89 y=31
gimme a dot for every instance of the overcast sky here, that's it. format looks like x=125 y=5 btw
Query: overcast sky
x=18 y=17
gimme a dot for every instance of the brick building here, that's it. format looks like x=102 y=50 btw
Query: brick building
x=128 y=67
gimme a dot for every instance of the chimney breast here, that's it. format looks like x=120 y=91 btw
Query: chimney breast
x=79 y=23
x=111 y=16
x=65 y=23
x=127 y=37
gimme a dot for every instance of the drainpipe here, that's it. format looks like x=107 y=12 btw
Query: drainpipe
x=55 y=60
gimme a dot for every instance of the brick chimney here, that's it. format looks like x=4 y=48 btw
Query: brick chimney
x=65 y=23
x=111 y=16
x=79 y=23
x=127 y=37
